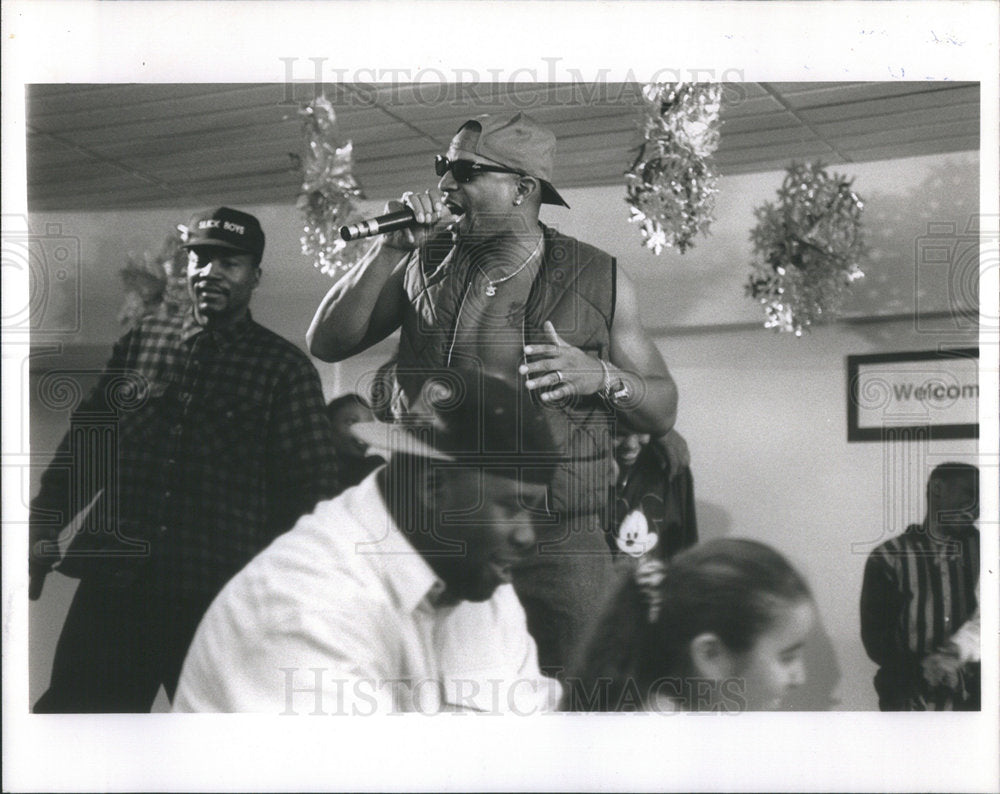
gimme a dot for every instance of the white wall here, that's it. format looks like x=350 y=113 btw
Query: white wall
x=702 y=287
x=705 y=285
x=764 y=413
x=765 y=417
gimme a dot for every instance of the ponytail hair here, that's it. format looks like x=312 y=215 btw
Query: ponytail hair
x=730 y=587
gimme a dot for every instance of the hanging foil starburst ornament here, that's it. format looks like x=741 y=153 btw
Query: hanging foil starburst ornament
x=329 y=189
x=154 y=281
x=671 y=186
x=807 y=248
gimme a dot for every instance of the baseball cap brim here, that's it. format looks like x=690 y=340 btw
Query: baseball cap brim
x=385 y=438
x=551 y=196
x=213 y=243
x=388 y=440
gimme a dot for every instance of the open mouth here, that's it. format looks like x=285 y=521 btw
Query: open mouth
x=454 y=208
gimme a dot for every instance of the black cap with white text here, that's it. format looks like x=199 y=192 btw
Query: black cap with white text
x=227 y=228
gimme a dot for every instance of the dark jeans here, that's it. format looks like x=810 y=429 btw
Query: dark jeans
x=563 y=587
x=118 y=645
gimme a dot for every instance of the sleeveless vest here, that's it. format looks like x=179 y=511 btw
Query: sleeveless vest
x=575 y=290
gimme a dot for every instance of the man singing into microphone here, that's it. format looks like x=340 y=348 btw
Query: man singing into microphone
x=477 y=282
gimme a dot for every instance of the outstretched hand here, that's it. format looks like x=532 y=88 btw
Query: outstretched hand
x=558 y=371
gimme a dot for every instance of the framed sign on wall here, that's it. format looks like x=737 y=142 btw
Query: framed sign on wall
x=930 y=394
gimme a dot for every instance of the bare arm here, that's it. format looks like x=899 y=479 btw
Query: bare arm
x=363 y=308
x=635 y=359
x=366 y=305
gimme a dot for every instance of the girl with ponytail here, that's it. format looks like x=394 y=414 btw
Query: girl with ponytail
x=720 y=627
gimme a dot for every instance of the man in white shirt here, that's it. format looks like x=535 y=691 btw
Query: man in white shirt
x=396 y=595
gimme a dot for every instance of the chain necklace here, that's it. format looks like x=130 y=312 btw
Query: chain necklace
x=465 y=294
x=491 y=288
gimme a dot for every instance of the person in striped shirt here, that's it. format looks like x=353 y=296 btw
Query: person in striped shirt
x=919 y=589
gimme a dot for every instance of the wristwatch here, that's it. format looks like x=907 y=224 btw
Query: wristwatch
x=616 y=390
x=619 y=393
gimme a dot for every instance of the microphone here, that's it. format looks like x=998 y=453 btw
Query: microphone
x=383 y=224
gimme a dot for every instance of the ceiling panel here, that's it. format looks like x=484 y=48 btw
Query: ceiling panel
x=965 y=112
x=884 y=107
x=738 y=105
x=915 y=149
x=803 y=95
x=155 y=145
x=149 y=103
x=944 y=131
x=747 y=158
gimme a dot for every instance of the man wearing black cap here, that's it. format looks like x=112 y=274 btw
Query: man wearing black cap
x=478 y=283
x=215 y=441
x=395 y=596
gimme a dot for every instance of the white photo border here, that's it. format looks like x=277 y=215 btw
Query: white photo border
x=203 y=41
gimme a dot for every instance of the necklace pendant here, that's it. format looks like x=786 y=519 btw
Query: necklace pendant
x=490 y=290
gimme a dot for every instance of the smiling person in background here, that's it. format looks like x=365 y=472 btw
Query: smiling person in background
x=654 y=495
x=215 y=441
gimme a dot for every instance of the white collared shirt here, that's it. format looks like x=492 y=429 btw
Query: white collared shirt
x=340 y=616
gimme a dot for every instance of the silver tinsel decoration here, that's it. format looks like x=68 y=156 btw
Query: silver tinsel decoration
x=807 y=248
x=152 y=281
x=671 y=186
x=329 y=189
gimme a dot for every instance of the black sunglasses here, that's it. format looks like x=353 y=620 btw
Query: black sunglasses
x=465 y=170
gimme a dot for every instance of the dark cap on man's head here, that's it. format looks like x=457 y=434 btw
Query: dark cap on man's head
x=518 y=142
x=227 y=228
x=472 y=419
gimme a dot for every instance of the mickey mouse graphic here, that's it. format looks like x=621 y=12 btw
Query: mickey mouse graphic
x=653 y=497
x=634 y=537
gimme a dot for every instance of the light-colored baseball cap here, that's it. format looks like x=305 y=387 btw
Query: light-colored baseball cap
x=517 y=142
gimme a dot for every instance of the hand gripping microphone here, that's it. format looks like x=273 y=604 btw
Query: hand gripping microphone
x=383 y=224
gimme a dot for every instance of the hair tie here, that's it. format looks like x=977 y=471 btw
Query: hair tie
x=649 y=575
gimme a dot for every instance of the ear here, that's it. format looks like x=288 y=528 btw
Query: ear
x=527 y=186
x=710 y=657
x=257 y=273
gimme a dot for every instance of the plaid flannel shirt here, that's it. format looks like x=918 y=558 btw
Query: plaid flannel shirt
x=205 y=444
